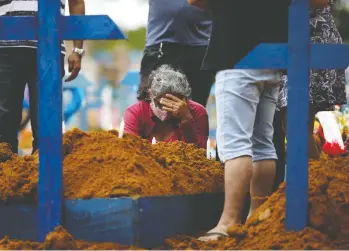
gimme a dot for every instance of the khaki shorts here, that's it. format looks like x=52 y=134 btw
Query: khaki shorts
x=246 y=102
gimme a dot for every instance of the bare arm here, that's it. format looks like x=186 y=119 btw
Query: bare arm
x=77 y=7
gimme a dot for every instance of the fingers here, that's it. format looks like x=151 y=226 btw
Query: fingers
x=174 y=111
x=168 y=109
x=70 y=65
x=74 y=68
x=173 y=98
x=166 y=102
x=73 y=75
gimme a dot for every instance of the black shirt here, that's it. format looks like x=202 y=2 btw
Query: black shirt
x=240 y=25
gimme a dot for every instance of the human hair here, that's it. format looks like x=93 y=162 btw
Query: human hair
x=165 y=80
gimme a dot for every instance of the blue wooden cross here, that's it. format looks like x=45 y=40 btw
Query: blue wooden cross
x=50 y=28
x=298 y=56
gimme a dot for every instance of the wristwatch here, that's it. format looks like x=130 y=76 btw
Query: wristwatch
x=79 y=51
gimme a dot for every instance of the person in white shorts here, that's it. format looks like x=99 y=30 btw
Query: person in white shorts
x=246 y=101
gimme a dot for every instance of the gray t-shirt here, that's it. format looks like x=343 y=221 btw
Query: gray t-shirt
x=175 y=21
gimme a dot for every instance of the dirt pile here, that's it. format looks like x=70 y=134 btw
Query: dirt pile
x=5 y=152
x=18 y=176
x=327 y=224
x=100 y=165
x=60 y=239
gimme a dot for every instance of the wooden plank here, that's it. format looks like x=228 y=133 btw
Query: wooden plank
x=18 y=28
x=90 y=27
x=265 y=56
x=275 y=56
x=297 y=117
x=72 y=28
x=50 y=117
x=19 y=221
x=102 y=220
x=162 y=217
x=145 y=221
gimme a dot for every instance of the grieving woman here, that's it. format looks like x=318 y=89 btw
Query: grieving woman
x=165 y=112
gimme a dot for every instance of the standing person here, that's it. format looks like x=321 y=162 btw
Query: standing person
x=177 y=35
x=18 y=67
x=326 y=87
x=246 y=101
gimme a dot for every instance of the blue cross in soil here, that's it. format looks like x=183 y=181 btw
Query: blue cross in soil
x=49 y=28
x=298 y=56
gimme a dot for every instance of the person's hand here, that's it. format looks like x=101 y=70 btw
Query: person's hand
x=178 y=107
x=74 y=62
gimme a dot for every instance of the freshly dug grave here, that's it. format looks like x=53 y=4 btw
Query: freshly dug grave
x=100 y=165
x=328 y=189
x=60 y=239
x=327 y=224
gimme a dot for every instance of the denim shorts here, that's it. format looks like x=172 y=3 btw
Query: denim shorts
x=246 y=102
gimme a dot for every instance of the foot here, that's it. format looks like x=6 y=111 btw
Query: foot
x=214 y=234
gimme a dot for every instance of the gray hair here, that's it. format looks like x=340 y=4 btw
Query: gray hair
x=166 y=80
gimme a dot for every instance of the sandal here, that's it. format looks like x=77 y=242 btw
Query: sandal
x=219 y=235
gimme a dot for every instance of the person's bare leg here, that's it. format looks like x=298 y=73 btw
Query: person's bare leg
x=237 y=178
x=263 y=174
x=263 y=149
x=313 y=151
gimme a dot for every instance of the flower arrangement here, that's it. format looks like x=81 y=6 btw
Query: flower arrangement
x=334 y=148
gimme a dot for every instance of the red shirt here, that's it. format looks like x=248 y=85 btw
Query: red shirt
x=141 y=121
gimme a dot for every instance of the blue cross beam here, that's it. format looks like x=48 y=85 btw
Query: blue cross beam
x=298 y=56
x=50 y=28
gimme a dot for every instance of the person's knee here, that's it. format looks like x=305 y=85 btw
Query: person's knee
x=263 y=147
x=230 y=148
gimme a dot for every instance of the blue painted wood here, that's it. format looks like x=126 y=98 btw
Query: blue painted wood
x=272 y=56
x=265 y=56
x=163 y=217
x=18 y=28
x=275 y=56
x=297 y=117
x=90 y=27
x=145 y=221
x=102 y=220
x=53 y=28
x=72 y=28
x=19 y=221
x=50 y=117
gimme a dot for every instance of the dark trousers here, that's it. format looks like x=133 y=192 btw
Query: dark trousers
x=187 y=59
x=18 y=68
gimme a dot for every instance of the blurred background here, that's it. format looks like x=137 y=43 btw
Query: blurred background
x=108 y=81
